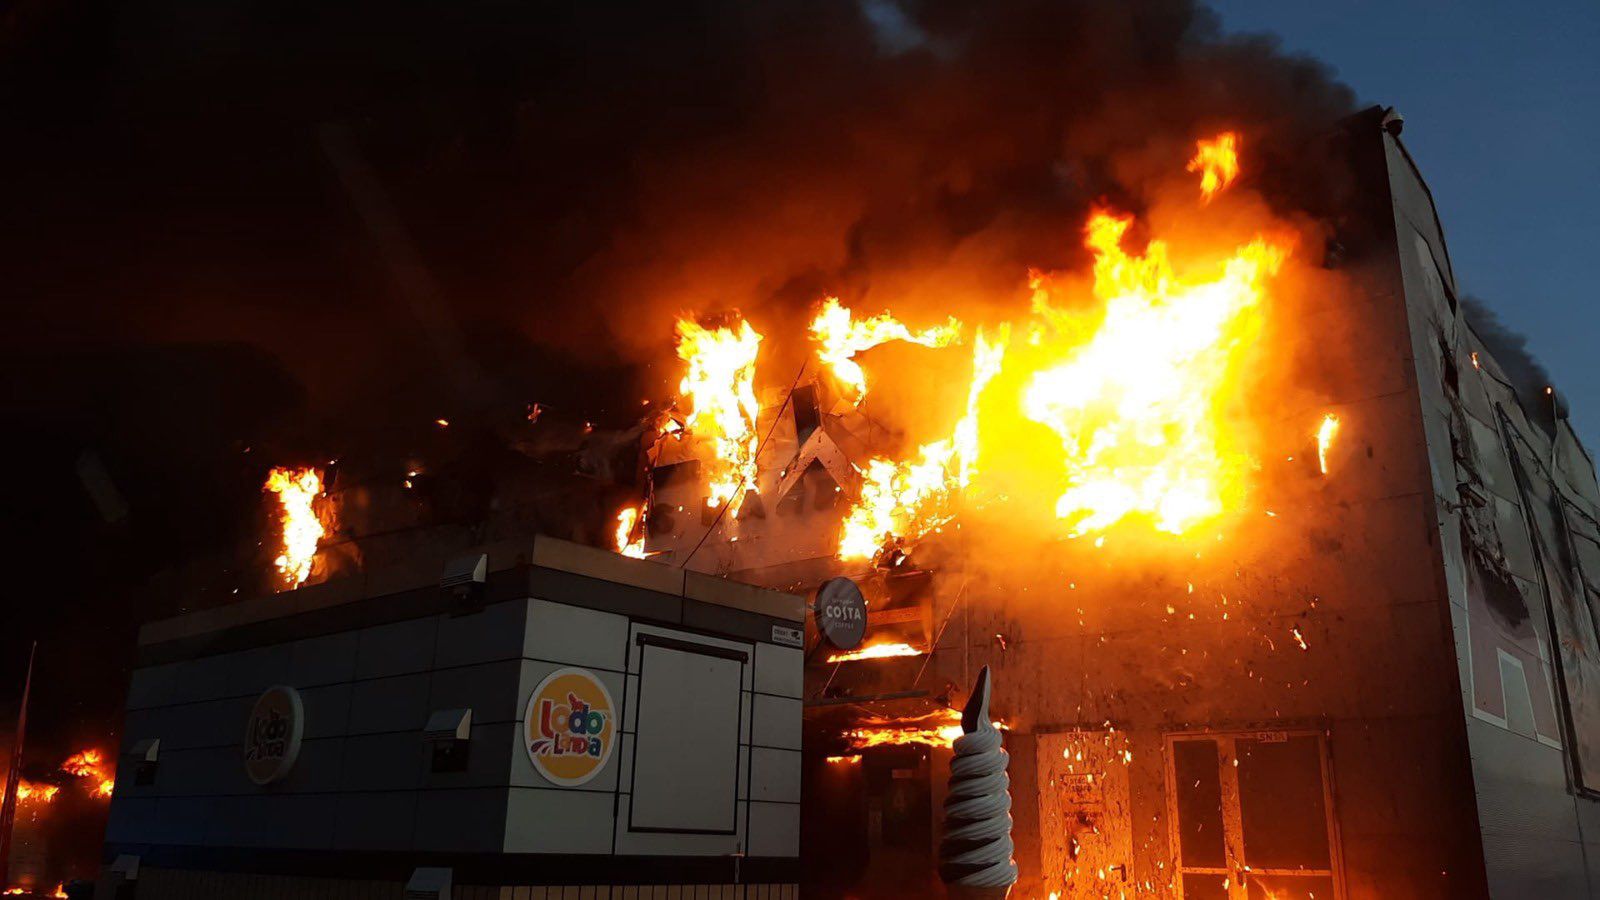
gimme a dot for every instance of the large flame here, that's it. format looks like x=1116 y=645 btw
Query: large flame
x=1217 y=161
x=90 y=764
x=907 y=499
x=297 y=490
x=720 y=388
x=840 y=337
x=1137 y=405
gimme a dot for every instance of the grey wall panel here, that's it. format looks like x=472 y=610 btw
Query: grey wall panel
x=775 y=722
x=328 y=659
x=129 y=819
x=202 y=771
x=488 y=759
x=383 y=762
x=490 y=690
x=181 y=820
x=327 y=710
x=318 y=769
x=558 y=821
x=205 y=678
x=152 y=685
x=466 y=820
x=656 y=844
x=779 y=670
x=1530 y=822
x=775 y=774
x=494 y=633
x=252 y=671
x=209 y=723
x=396 y=648
x=143 y=724
x=398 y=703
x=575 y=636
x=774 y=829
x=375 y=821
x=273 y=820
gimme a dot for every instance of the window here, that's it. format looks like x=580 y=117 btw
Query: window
x=1252 y=817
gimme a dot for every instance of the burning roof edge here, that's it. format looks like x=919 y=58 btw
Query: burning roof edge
x=540 y=552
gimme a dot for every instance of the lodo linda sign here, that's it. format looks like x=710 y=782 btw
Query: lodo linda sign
x=569 y=726
x=272 y=734
x=841 y=613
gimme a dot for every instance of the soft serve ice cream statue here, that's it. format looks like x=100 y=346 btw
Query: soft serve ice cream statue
x=975 y=854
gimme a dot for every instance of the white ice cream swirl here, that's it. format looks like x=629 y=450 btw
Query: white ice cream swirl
x=976 y=850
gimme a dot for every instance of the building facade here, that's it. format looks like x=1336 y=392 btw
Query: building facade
x=552 y=716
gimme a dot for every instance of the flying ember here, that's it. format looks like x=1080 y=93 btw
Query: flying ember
x=297 y=490
x=1217 y=161
x=719 y=386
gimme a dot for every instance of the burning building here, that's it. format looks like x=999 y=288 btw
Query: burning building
x=1286 y=580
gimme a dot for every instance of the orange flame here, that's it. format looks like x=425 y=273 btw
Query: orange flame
x=1325 y=435
x=876 y=651
x=297 y=490
x=907 y=499
x=627 y=519
x=1136 y=406
x=840 y=337
x=720 y=385
x=1217 y=161
x=90 y=764
x=936 y=729
x=34 y=792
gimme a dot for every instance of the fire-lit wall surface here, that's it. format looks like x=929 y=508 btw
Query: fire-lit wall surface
x=405 y=727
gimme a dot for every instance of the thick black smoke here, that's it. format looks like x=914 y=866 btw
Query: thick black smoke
x=1510 y=349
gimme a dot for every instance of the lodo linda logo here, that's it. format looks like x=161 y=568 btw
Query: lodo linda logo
x=568 y=726
x=272 y=734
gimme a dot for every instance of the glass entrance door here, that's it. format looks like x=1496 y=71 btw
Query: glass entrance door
x=1252 y=816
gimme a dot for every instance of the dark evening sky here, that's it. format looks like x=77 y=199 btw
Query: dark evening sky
x=1502 y=107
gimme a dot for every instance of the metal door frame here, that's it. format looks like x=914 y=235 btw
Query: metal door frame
x=1235 y=868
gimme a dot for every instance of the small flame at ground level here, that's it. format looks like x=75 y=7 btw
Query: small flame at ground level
x=876 y=651
x=720 y=388
x=297 y=490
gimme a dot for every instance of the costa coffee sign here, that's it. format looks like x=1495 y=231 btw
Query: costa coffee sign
x=841 y=613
